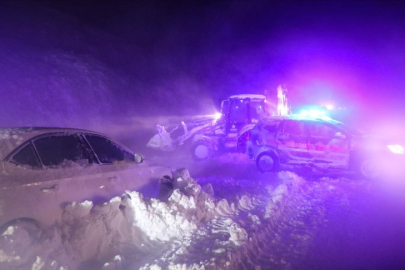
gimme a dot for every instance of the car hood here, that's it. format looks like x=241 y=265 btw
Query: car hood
x=373 y=142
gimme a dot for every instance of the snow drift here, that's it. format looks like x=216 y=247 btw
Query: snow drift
x=192 y=229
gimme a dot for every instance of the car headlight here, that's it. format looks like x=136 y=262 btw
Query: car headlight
x=396 y=149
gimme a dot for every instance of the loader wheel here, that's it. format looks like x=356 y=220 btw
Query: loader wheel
x=31 y=226
x=202 y=150
x=242 y=142
x=267 y=162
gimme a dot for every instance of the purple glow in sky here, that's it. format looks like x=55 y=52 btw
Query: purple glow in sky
x=74 y=63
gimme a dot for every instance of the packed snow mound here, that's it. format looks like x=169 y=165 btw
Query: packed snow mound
x=187 y=207
x=191 y=229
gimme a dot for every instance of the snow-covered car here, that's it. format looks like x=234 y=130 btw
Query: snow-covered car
x=44 y=169
x=320 y=142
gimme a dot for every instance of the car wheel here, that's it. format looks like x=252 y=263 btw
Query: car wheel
x=369 y=169
x=202 y=150
x=30 y=225
x=242 y=142
x=267 y=162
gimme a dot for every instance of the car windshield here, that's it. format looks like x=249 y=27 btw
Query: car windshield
x=349 y=130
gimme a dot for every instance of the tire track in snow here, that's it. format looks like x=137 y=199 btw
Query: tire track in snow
x=271 y=229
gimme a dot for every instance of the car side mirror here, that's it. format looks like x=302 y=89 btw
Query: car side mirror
x=138 y=158
x=340 y=135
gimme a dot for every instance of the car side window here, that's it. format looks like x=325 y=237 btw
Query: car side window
x=294 y=128
x=108 y=151
x=271 y=127
x=26 y=156
x=56 y=149
x=321 y=130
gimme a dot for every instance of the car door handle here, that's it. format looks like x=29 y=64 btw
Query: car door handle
x=52 y=189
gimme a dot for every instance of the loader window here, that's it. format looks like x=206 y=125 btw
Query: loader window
x=257 y=110
x=238 y=111
x=225 y=107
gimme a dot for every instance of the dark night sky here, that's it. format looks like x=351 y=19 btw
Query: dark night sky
x=60 y=57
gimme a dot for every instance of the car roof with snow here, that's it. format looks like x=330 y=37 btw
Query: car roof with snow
x=324 y=119
x=11 y=138
x=251 y=96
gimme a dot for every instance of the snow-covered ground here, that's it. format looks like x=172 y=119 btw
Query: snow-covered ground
x=58 y=69
x=226 y=216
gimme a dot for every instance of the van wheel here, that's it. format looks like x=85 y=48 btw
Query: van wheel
x=267 y=162
x=202 y=150
x=369 y=169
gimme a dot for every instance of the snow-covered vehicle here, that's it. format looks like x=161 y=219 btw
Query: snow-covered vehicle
x=239 y=114
x=44 y=169
x=320 y=142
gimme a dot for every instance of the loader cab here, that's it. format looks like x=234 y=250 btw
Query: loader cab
x=241 y=110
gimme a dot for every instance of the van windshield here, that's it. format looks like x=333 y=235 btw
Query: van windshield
x=349 y=130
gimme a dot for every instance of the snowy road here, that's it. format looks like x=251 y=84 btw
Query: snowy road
x=348 y=223
x=225 y=215
x=370 y=234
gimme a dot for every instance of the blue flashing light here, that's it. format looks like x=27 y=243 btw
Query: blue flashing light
x=327 y=118
x=313 y=113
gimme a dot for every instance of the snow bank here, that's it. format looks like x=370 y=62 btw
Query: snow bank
x=191 y=230
x=233 y=237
